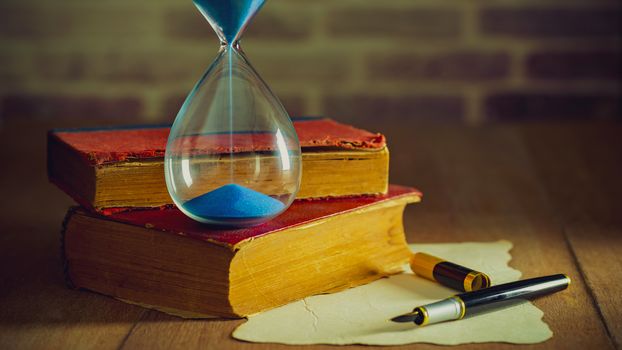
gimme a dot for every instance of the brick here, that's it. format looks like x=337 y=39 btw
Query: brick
x=87 y=21
x=190 y=24
x=294 y=105
x=522 y=106
x=146 y=66
x=304 y=68
x=50 y=106
x=369 y=110
x=20 y=21
x=426 y=23
x=68 y=67
x=280 y=26
x=187 y=24
x=460 y=66
x=574 y=65
x=551 y=22
x=11 y=69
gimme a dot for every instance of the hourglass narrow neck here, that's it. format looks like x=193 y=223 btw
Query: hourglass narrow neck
x=234 y=45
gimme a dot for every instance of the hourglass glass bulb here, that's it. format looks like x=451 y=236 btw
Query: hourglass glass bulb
x=232 y=157
x=229 y=18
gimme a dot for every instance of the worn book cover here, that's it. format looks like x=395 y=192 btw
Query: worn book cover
x=112 y=168
x=165 y=260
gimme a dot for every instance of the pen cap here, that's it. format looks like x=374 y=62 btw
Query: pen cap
x=447 y=273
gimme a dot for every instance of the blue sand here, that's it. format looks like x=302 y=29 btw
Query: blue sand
x=229 y=15
x=233 y=202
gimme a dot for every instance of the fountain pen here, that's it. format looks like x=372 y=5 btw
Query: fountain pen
x=471 y=303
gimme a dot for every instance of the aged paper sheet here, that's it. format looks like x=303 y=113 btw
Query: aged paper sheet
x=360 y=315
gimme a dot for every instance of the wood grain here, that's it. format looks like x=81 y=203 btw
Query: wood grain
x=552 y=190
x=479 y=185
x=37 y=310
x=581 y=167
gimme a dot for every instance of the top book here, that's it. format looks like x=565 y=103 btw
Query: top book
x=112 y=169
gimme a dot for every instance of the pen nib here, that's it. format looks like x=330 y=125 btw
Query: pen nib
x=409 y=317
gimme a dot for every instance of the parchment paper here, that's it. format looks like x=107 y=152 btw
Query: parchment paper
x=361 y=315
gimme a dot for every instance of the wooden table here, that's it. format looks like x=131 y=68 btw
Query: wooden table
x=554 y=190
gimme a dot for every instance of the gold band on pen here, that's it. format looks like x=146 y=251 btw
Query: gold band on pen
x=425 y=314
x=462 y=306
x=476 y=280
x=447 y=273
x=423 y=264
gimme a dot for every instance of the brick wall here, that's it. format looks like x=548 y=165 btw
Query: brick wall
x=452 y=60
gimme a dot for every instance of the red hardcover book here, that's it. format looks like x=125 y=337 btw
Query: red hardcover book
x=111 y=168
x=164 y=260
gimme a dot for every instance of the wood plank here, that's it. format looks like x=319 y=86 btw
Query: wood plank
x=37 y=310
x=581 y=166
x=485 y=180
x=479 y=185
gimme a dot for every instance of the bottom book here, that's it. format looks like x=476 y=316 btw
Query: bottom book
x=164 y=260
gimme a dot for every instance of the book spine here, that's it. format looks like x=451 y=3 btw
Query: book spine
x=54 y=147
x=63 y=255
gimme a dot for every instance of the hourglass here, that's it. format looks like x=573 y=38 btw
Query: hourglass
x=233 y=156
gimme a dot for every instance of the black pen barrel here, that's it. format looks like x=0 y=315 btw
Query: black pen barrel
x=524 y=289
x=458 y=306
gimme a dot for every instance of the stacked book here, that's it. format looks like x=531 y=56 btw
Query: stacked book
x=127 y=240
